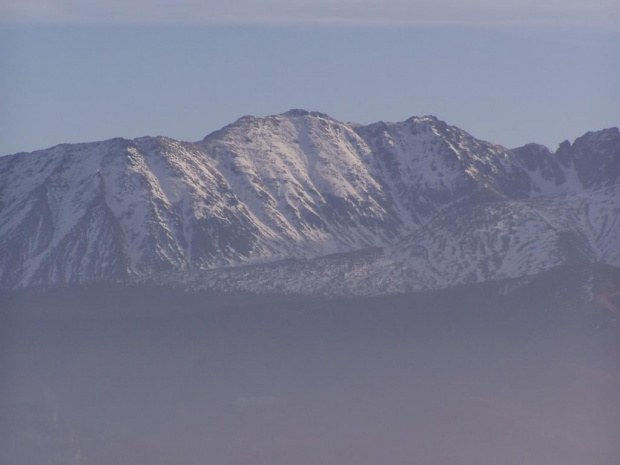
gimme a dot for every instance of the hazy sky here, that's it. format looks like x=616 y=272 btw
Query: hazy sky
x=547 y=13
x=509 y=72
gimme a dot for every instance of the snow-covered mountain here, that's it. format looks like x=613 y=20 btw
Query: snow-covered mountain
x=266 y=202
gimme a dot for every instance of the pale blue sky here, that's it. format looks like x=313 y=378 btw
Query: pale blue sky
x=510 y=76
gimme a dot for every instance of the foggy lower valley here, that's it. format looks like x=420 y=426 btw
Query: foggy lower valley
x=509 y=372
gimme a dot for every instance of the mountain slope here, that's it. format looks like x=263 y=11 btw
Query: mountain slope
x=465 y=245
x=300 y=186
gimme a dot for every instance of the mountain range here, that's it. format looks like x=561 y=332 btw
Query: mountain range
x=303 y=203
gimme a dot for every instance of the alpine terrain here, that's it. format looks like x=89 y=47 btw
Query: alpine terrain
x=302 y=203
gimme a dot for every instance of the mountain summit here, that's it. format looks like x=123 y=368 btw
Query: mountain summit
x=434 y=205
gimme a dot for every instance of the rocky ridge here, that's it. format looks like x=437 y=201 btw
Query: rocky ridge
x=271 y=204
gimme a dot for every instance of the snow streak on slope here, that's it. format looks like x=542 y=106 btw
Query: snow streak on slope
x=429 y=165
x=509 y=239
x=492 y=241
x=306 y=177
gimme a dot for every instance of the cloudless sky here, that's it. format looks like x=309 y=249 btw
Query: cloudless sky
x=81 y=81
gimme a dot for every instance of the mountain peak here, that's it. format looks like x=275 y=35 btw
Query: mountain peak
x=251 y=121
x=423 y=119
x=602 y=134
x=296 y=112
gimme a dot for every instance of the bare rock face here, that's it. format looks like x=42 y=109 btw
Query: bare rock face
x=593 y=157
x=415 y=204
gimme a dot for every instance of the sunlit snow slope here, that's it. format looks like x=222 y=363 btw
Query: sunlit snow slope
x=432 y=206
